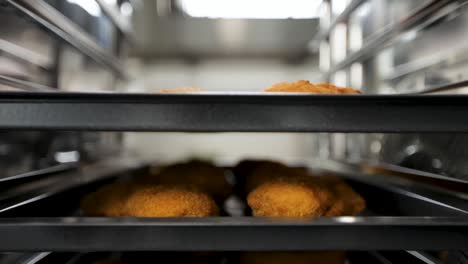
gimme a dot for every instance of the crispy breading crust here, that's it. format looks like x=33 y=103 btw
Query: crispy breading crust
x=287 y=198
x=274 y=189
x=169 y=201
x=303 y=86
x=129 y=199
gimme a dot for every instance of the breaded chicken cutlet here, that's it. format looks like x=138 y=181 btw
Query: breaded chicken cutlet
x=203 y=175
x=274 y=189
x=289 y=197
x=303 y=86
x=169 y=201
x=301 y=257
x=129 y=199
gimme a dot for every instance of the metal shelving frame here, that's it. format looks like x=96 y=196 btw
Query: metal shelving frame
x=430 y=11
x=233 y=112
x=446 y=229
x=46 y=16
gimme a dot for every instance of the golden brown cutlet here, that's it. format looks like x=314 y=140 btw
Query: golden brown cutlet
x=289 y=197
x=303 y=86
x=169 y=201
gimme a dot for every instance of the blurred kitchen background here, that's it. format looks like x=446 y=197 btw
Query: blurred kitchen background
x=377 y=46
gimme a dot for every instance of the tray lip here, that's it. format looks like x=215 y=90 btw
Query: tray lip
x=244 y=221
x=200 y=96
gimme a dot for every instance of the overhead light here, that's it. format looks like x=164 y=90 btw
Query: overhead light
x=68 y=156
x=261 y=9
x=126 y=9
x=90 y=6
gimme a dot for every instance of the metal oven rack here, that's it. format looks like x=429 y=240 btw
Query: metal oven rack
x=23 y=231
x=432 y=223
x=32 y=212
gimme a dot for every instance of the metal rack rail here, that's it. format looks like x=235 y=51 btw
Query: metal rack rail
x=232 y=233
x=353 y=5
x=24 y=85
x=25 y=55
x=379 y=40
x=62 y=27
x=445 y=229
x=119 y=21
x=233 y=112
x=39 y=173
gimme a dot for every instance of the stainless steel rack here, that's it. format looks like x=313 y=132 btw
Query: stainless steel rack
x=233 y=112
x=325 y=33
x=46 y=16
x=422 y=16
x=121 y=22
x=24 y=85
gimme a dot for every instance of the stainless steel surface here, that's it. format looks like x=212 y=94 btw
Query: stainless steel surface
x=177 y=36
x=58 y=24
x=202 y=38
x=33 y=191
x=342 y=17
x=122 y=22
x=26 y=55
x=425 y=55
x=24 y=85
x=39 y=173
x=381 y=38
x=424 y=257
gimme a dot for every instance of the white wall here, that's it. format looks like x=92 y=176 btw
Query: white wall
x=219 y=75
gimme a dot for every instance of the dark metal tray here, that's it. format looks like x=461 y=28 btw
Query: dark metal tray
x=233 y=112
x=232 y=233
x=409 y=219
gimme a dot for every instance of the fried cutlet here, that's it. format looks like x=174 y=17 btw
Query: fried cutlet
x=289 y=197
x=169 y=201
x=303 y=86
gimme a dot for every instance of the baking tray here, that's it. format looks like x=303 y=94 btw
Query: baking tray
x=233 y=112
x=353 y=257
x=429 y=224
x=232 y=234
